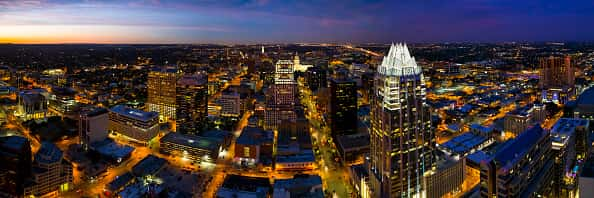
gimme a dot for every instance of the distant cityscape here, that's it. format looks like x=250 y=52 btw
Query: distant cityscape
x=297 y=120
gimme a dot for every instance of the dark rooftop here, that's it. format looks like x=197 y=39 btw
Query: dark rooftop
x=149 y=165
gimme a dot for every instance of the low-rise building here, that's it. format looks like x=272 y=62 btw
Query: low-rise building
x=303 y=160
x=252 y=144
x=353 y=147
x=245 y=187
x=134 y=123
x=518 y=120
x=298 y=186
x=194 y=148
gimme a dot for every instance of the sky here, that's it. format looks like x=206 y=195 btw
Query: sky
x=288 y=21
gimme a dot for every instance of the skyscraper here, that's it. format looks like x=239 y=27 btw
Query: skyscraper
x=316 y=78
x=280 y=100
x=556 y=79
x=192 y=107
x=401 y=138
x=161 y=92
x=343 y=106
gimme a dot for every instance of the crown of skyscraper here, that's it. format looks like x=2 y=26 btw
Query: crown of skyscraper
x=398 y=62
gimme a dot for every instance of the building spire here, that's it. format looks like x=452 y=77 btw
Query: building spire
x=399 y=62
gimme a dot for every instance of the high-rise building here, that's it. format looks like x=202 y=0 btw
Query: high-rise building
x=161 y=88
x=15 y=154
x=401 y=138
x=316 y=78
x=519 y=168
x=566 y=136
x=280 y=100
x=92 y=125
x=343 y=106
x=52 y=173
x=192 y=104
x=557 y=79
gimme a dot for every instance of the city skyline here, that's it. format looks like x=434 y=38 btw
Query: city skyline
x=181 y=21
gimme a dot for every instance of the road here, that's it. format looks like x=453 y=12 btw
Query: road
x=334 y=175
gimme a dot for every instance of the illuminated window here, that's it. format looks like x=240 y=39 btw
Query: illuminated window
x=246 y=151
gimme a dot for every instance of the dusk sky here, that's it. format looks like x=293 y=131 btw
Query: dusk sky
x=254 y=21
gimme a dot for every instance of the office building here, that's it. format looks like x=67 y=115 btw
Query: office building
x=92 y=125
x=568 y=146
x=161 y=87
x=230 y=104
x=518 y=120
x=343 y=106
x=61 y=101
x=585 y=105
x=15 y=154
x=401 y=138
x=192 y=103
x=51 y=173
x=522 y=167
x=31 y=104
x=139 y=125
x=447 y=178
x=195 y=148
x=316 y=78
x=280 y=99
x=557 y=79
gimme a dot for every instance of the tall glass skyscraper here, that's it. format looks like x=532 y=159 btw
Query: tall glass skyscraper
x=402 y=141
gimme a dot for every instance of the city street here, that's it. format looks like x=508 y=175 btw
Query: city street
x=335 y=175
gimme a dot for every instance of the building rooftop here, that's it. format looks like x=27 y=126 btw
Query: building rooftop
x=192 y=80
x=120 y=181
x=564 y=128
x=134 y=113
x=515 y=149
x=353 y=141
x=149 y=165
x=112 y=149
x=193 y=141
x=303 y=156
x=14 y=143
x=463 y=144
x=254 y=136
x=95 y=111
x=586 y=98
x=300 y=186
x=245 y=183
x=48 y=153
